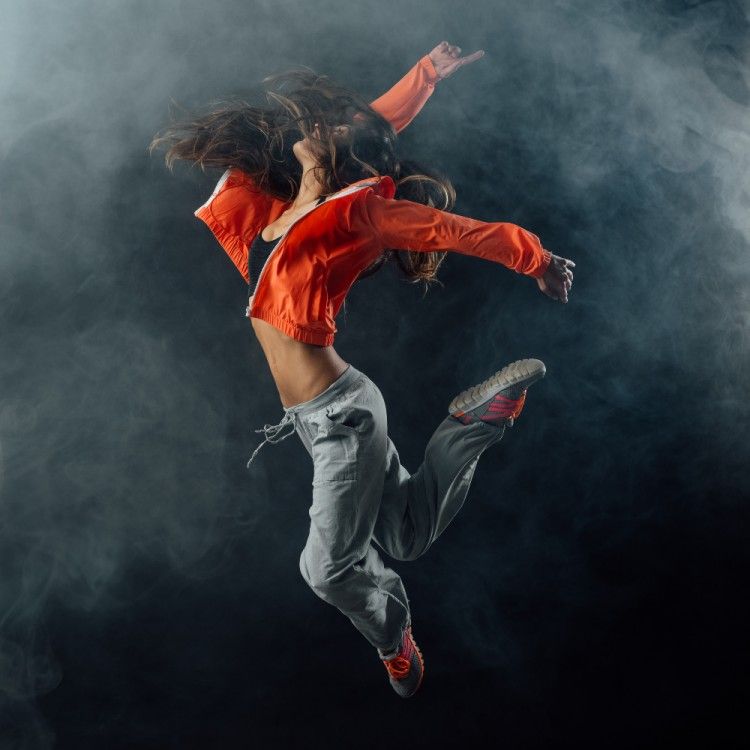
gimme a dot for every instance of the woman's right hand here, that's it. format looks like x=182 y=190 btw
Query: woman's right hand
x=557 y=279
x=446 y=59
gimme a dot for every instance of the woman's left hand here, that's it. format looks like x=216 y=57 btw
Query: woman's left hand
x=446 y=58
x=557 y=279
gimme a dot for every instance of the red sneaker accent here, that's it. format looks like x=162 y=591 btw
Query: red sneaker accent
x=462 y=416
x=506 y=407
x=399 y=666
x=501 y=408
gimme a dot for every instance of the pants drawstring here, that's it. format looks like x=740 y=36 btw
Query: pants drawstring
x=272 y=432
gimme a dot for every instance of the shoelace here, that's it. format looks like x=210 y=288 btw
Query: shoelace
x=398 y=667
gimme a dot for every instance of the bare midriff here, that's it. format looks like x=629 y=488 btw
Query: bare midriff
x=301 y=371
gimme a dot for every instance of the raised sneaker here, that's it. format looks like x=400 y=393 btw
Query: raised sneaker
x=499 y=399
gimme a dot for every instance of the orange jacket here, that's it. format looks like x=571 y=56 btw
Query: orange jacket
x=310 y=270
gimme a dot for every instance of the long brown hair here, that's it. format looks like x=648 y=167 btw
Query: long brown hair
x=258 y=139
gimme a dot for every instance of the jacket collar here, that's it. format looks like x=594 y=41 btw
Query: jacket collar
x=383 y=185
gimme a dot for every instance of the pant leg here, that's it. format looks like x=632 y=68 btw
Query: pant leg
x=348 y=441
x=416 y=508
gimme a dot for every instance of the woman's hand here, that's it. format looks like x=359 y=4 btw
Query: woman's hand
x=446 y=58
x=557 y=279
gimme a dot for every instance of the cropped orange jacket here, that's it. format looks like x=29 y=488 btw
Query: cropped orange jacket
x=309 y=272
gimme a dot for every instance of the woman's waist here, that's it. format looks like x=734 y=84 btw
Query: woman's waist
x=300 y=370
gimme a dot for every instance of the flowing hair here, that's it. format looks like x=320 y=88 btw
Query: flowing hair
x=258 y=139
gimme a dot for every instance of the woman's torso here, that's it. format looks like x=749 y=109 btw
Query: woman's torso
x=301 y=371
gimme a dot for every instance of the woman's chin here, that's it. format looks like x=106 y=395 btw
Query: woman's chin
x=300 y=150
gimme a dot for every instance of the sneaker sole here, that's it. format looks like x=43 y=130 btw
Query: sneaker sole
x=522 y=372
x=421 y=664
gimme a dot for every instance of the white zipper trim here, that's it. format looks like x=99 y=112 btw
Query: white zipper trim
x=340 y=194
x=218 y=187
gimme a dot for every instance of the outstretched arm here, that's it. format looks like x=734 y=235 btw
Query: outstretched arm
x=403 y=102
x=407 y=225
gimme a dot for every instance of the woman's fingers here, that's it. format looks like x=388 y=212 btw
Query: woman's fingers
x=567 y=262
x=472 y=57
x=556 y=292
x=556 y=282
x=563 y=269
x=562 y=286
x=447 y=58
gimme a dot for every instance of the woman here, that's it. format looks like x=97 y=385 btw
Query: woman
x=314 y=197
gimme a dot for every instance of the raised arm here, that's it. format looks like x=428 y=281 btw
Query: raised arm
x=406 y=225
x=403 y=102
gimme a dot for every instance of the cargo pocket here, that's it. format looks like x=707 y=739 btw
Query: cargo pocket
x=335 y=448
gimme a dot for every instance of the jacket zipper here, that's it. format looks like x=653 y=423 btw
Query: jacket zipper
x=341 y=194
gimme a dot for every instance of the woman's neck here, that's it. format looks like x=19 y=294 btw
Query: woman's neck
x=310 y=188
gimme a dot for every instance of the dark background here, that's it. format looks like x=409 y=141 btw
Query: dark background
x=592 y=589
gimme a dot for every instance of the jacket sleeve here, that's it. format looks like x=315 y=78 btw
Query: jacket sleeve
x=402 y=103
x=234 y=213
x=406 y=225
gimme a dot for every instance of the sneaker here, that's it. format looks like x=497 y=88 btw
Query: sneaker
x=406 y=668
x=499 y=399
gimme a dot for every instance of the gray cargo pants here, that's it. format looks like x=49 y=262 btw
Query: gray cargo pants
x=361 y=494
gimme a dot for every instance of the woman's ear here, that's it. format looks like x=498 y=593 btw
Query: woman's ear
x=342 y=131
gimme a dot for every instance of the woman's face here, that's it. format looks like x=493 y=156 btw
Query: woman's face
x=305 y=149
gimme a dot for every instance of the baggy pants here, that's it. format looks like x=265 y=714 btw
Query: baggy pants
x=362 y=497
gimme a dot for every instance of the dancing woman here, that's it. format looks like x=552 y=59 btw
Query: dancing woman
x=315 y=196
